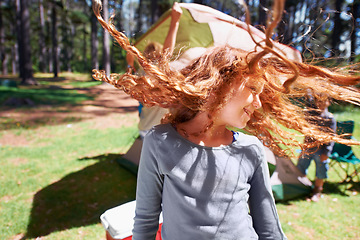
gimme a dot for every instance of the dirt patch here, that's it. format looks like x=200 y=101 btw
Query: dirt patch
x=6 y=198
x=107 y=100
x=11 y=139
x=114 y=121
x=110 y=107
x=19 y=161
x=19 y=237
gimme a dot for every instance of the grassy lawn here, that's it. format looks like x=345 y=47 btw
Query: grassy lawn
x=60 y=185
x=58 y=176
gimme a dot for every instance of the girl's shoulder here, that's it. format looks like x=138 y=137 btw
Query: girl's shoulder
x=245 y=139
x=248 y=144
x=162 y=133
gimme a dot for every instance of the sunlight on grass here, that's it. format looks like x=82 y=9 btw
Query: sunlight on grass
x=331 y=218
x=95 y=230
x=67 y=75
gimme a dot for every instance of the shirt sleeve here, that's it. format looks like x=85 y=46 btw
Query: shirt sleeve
x=148 y=193
x=262 y=204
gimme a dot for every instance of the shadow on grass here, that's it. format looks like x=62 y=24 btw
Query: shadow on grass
x=342 y=188
x=45 y=96
x=81 y=197
x=339 y=188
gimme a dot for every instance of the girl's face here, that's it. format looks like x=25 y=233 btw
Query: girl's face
x=238 y=110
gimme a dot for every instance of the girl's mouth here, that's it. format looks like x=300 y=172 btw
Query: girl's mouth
x=247 y=112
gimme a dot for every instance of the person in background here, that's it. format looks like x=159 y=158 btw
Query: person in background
x=151 y=116
x=318 y=114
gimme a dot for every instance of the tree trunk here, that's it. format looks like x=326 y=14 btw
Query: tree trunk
x=55 y=53
x=18 y=36
x=106 y=41
x=337 y=31
x=42 y=49
x=289 y=12
x=67 y=36
x=14 y=49
x=3 y=54
x=139 y=18
x=154 y=11
x=85 y=60
x=262 y=13
x=70 y=50
x=49 y=57
x=15 y=59
x=94 y=42
x=355 y=12
x=26 y=70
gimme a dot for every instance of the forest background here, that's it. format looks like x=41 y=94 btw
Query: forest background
x=53 y=36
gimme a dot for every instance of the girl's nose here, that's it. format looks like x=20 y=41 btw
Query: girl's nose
x=257 y=101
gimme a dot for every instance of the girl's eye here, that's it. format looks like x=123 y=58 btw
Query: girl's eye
x=253 y=90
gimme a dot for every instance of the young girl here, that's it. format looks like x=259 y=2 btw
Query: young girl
x=208 y=181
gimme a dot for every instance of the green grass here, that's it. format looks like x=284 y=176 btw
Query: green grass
x=57 y=184
x=63 y=181
x=43 y=96
x=334 y=217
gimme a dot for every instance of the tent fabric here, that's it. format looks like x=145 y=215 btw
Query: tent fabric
x=285 y=192
x=286 y=180
x=202 y=27
x=190 y=33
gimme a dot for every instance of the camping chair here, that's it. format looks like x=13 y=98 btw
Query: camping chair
x=343 y=156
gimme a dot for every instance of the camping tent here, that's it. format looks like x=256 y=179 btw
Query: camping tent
x=201 y=27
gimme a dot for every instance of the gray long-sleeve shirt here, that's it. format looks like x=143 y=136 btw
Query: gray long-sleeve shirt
x=204 y=192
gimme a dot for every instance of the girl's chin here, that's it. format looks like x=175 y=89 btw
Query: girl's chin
x=240 y=126
x=240 y=123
